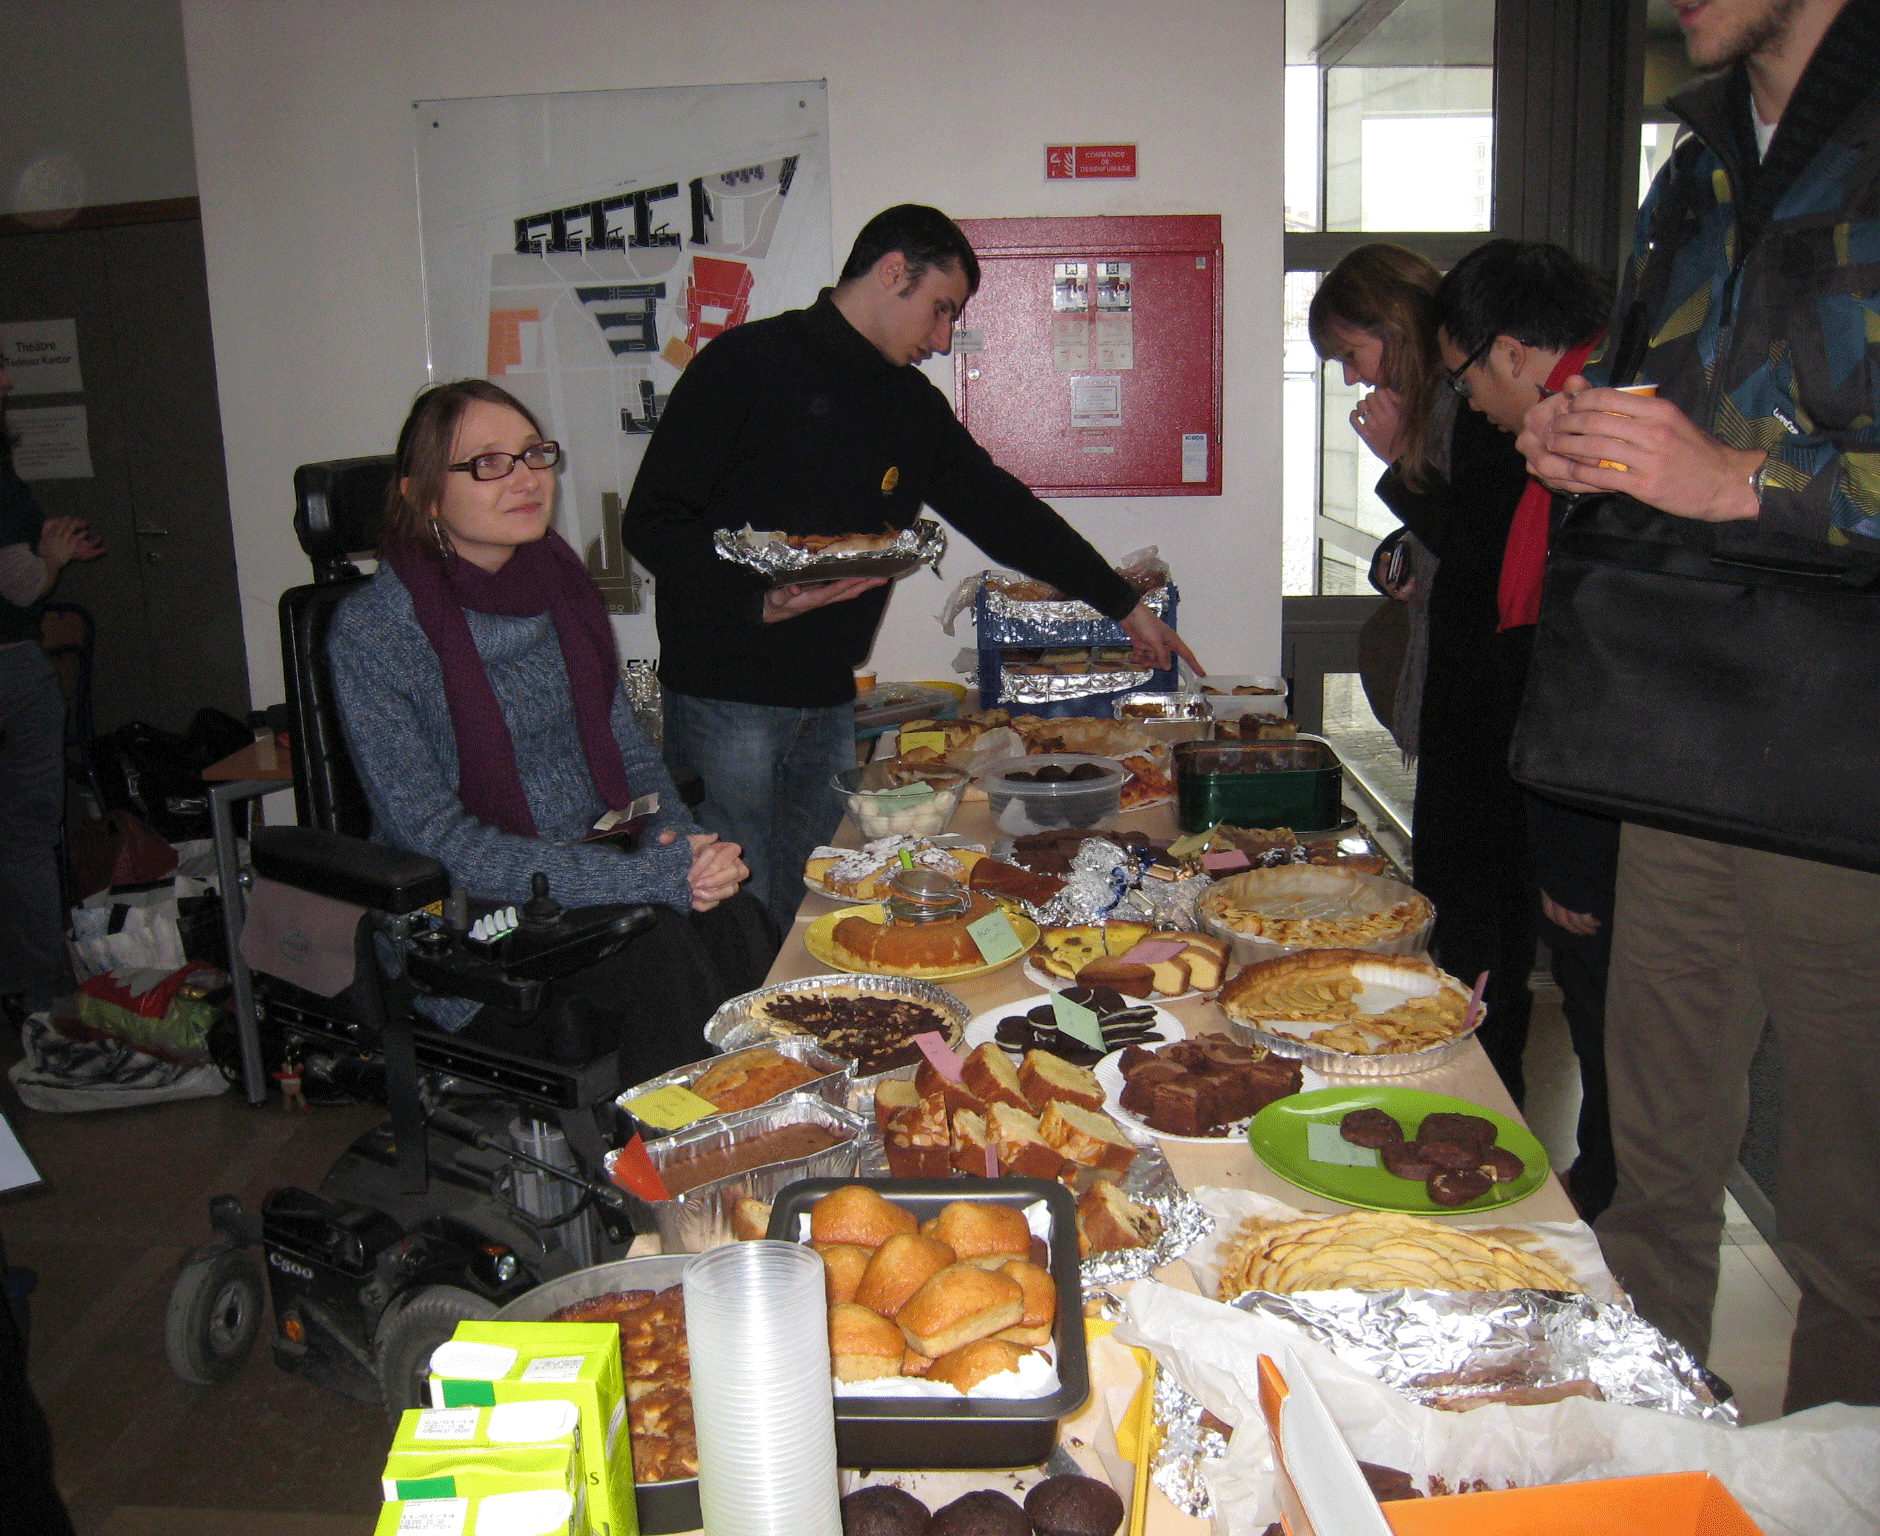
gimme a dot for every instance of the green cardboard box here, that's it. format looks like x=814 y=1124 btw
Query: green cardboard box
x=489 y=1364
x=531 y=1512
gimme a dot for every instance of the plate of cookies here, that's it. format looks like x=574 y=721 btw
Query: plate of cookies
x=1399 y=1149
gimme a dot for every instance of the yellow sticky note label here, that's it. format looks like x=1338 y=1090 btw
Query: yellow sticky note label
x=912 y=739
x=671 y=1107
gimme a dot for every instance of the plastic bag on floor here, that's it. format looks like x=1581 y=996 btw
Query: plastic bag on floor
x=65 y=1076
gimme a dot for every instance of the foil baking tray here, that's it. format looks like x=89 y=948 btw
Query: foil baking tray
x=922 y=544
x=1434 y=1345
x=1054 y=687
x=735 y=1024
x=700 y=1218
x=834 y=1074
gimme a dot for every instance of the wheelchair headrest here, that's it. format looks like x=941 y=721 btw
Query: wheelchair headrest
x=337 y=506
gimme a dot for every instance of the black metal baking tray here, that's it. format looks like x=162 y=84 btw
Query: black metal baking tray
x=901 y=1432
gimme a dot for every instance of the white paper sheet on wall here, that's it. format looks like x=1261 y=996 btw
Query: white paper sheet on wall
x=16 y=1168
x=41 y=357
x=52 y=443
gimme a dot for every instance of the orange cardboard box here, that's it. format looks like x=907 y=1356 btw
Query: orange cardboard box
x=1670 y=1504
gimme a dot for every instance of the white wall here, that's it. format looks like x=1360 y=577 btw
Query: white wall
x=96 y=105
x=304 y=164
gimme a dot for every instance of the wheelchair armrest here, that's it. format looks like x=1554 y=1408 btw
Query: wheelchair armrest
x=348 y=869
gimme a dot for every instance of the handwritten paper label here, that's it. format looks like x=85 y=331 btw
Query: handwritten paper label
x=1077 y=1021
x=935 y=739
x=670 y=1107
x=1225 y=863
x=935 y=1049
x=1154 y=951
x=995 y=937
x=634 y=1172
x=1324 y=1144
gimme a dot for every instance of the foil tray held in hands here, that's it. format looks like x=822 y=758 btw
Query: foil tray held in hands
x=922 y=544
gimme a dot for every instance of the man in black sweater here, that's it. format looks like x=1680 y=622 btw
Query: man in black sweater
x=815 y=422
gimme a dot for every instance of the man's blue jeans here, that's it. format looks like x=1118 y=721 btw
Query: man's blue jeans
x=32 y=800
x=767 y=772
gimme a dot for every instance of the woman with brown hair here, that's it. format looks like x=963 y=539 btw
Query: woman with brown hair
x=1454 y=481
x=479 y=687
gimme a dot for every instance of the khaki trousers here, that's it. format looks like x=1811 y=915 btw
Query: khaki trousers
x=1709 y=942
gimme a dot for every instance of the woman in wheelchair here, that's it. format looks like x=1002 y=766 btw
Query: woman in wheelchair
x=479 y=687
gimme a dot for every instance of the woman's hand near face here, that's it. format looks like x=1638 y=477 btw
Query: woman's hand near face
x=1378 y=419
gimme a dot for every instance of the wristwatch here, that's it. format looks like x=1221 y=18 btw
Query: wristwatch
x=1760 y=476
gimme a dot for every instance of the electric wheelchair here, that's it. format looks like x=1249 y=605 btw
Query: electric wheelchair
x=486 y=1180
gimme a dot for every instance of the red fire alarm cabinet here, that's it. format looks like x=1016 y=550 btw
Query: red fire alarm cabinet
x=1089 y=362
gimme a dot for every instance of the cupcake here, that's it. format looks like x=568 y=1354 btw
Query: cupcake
x=1074 y=1506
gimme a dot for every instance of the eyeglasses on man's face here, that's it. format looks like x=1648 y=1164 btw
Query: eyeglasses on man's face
x=1456 y=380
x=497 y=466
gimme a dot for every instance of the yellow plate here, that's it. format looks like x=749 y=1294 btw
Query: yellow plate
x=817 y=940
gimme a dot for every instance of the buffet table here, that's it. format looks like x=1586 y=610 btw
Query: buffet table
x=1232 y=1164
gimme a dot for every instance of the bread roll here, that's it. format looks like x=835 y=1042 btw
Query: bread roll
x=983 y=1233
x=843 y=1267
x=960 y=1304
x=863 y=1345
x=971 y=1364
x=857 y=1214
x=1040 y=1303
x=900 y=1267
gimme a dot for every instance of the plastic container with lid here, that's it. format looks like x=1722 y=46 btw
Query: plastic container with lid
x=1019 y=806
x=886 y=705
x=1295 y=784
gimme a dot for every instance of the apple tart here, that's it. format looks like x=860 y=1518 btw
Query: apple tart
x=1367 y=1004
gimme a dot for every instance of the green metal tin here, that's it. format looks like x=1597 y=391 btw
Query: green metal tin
x=1295 y=784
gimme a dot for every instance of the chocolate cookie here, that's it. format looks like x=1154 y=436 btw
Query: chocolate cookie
x=1370 y=1128
x=985 y=1513
x=1069 y=1505
x=1405 y=1159
x=1450 y=1156
x=883 y=1512
x=1459 y=1188
x=1445 y=1126
x=1502 y=1165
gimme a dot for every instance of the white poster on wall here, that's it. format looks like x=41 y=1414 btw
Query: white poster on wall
x=41 y=357
x=580 y=248
x=50 y=442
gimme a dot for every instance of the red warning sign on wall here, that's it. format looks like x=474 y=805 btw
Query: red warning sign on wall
x=1079 y=162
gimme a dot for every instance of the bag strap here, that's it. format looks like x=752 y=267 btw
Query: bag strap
x=1661 y=248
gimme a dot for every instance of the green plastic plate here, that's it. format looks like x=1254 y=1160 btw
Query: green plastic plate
x=1278 y=1134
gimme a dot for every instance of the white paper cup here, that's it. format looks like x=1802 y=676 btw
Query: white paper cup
x=756 y=1322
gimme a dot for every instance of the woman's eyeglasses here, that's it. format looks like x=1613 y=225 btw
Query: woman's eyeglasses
x=1456 y=380
x=497 y=466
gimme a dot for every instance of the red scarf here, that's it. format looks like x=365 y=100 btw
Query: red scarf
x=544 y=577
x=1524 y=561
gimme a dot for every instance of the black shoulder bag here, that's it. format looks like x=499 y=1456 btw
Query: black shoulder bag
x=1705 y=678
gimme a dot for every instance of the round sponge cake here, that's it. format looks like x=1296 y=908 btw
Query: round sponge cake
x=909 y=949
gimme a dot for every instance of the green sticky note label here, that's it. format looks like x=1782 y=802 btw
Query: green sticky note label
x=468 y=1394
x=671 y=1107
x=425 y=1487
x=1194 y=842
x=994 y=935
x=1077 y=1021
x=1324 y=1144
x=935 y=739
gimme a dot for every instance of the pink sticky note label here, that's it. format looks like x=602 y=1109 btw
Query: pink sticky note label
x=992 y=1162
x=1220 y=863
x=940 y=1055
x=1154 y=952
x=1475 y=1000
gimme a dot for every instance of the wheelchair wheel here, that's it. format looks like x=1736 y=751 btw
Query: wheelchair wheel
x=407 y=1337
x=215 y=1315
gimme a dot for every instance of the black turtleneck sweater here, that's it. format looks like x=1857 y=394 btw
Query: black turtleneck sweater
x=797 y=423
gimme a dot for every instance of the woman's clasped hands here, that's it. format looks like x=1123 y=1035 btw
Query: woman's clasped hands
x=718 y=869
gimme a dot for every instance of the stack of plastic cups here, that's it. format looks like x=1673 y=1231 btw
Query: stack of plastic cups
x=757 y=1324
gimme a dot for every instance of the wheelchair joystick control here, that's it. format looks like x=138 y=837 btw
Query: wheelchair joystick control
x=541 y=911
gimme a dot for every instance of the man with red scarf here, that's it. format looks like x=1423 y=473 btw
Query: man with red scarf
x=1514 y=321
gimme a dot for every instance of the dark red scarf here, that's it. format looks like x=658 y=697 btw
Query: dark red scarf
x=544 y=577
x=1524 y=561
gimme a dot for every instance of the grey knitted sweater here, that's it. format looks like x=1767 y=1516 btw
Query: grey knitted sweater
x=390 y=689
